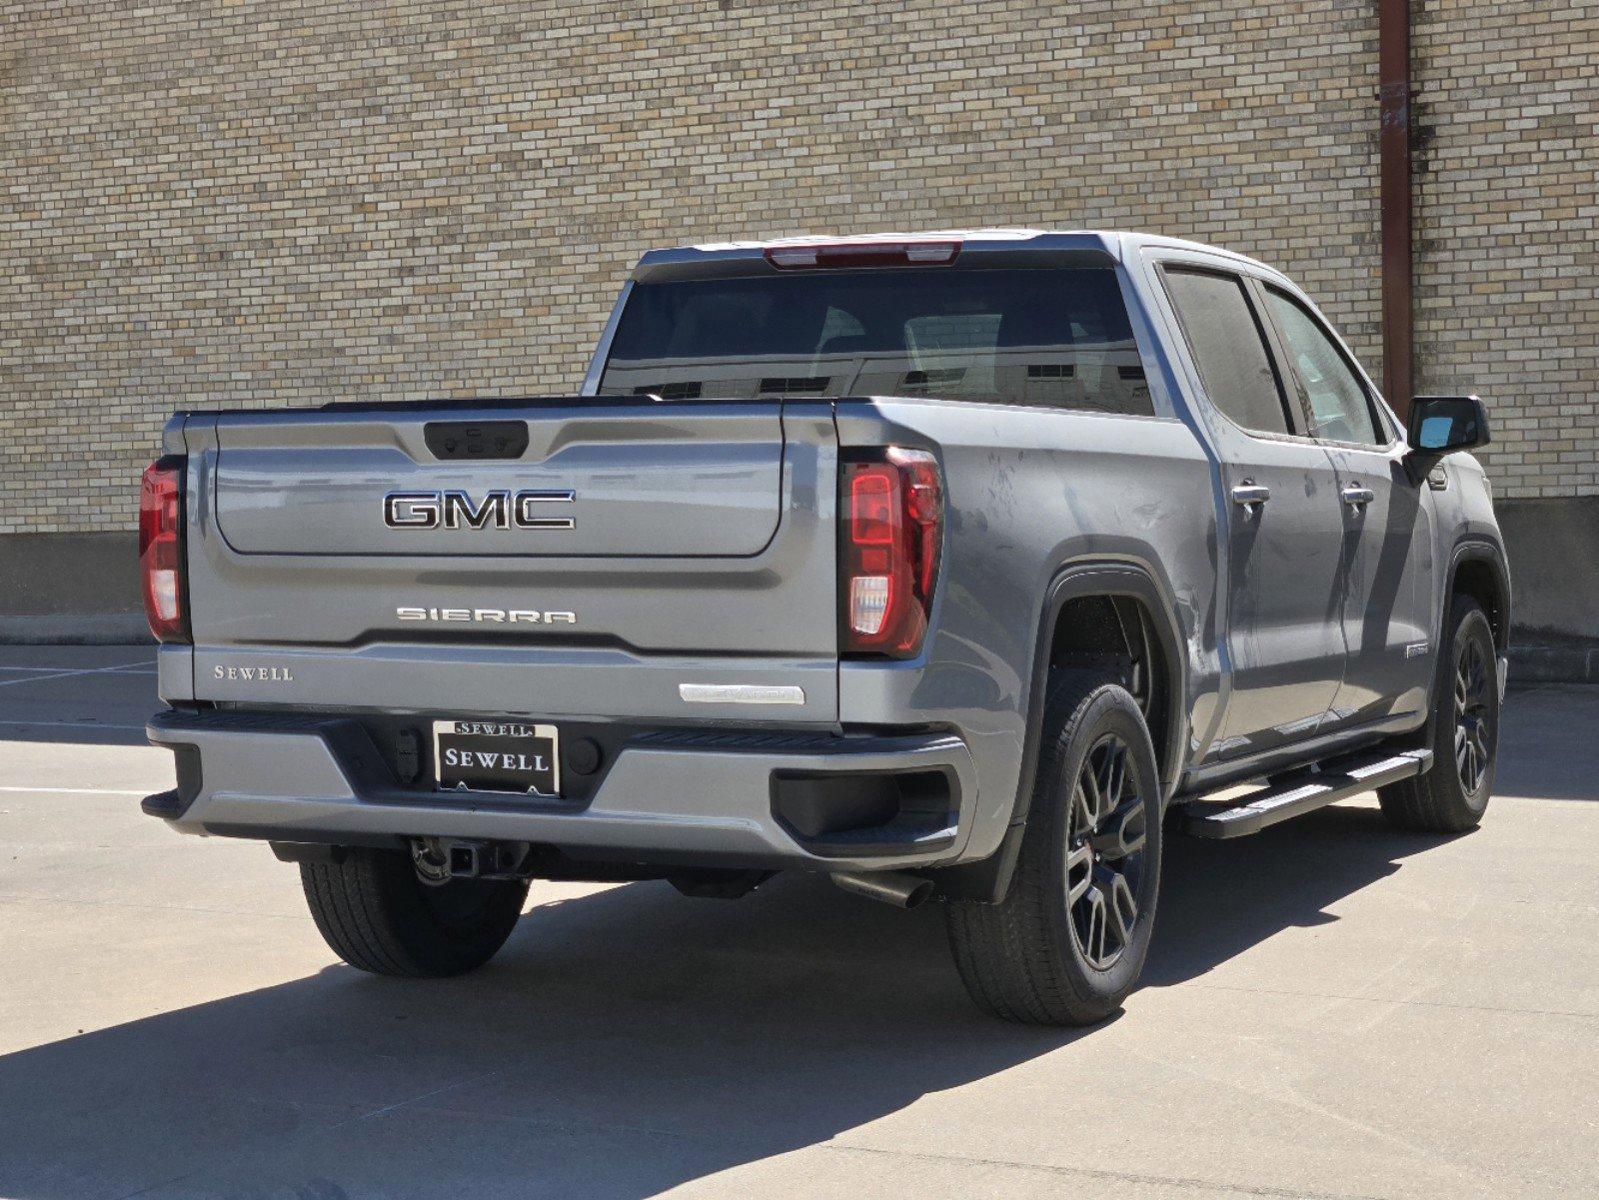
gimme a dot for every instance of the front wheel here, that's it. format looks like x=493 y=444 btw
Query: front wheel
x=377 y=914
x=1452 y=794
x=1067 y=943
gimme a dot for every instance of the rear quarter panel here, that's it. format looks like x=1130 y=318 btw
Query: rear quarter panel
x=1030 y=493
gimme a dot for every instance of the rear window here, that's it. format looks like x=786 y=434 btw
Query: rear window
x=1046 y=337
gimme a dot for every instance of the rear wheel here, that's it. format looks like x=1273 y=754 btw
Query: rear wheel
x=377 y=914
x=1452 y=794
x=1067 y=943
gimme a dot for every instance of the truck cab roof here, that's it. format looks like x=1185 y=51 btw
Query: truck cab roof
x=987 y=247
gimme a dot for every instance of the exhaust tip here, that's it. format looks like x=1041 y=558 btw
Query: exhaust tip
x=898 y=888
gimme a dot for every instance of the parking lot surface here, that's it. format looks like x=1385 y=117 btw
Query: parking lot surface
x=1331 y=1009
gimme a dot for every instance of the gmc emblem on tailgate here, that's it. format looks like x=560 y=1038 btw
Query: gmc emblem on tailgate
x=499 y=509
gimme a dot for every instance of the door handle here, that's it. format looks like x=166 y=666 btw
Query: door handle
x=1357 y=495
x=1251 y=495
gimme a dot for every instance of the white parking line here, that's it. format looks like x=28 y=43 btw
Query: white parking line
x=68 y=674
x=61 y=791
x=67 y=725
x=60 y=668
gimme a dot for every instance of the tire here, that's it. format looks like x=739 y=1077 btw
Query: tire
x=377 y=915
x=1034 y=957
x=1452 y=794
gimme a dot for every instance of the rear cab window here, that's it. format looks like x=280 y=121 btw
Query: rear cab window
x=1229 y=349
x=1054 y=337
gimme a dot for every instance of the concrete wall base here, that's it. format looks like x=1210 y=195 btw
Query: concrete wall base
x=1554 y=567
x=116 y=629
x=69 y=574
x=1554 y=664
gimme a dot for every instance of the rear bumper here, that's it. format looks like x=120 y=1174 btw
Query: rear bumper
x=688 y=797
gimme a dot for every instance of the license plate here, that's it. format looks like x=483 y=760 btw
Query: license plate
x=496 y=756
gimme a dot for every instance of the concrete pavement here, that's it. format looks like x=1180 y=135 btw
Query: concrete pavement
x=1331 y=1009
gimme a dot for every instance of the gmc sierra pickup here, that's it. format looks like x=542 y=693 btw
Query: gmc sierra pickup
x=965 y=565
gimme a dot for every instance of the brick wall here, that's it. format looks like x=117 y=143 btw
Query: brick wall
x=1508 y=212
x=225 y=203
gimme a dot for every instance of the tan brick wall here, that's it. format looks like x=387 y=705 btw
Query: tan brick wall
x=1508 y=206
x=228 y=203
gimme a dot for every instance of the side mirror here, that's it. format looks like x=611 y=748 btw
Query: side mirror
x=1442 y=425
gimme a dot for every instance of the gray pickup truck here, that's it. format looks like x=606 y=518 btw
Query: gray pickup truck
x=962 y=565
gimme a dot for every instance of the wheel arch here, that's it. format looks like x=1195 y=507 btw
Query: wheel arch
x=1116 y=583
x=1478 y=569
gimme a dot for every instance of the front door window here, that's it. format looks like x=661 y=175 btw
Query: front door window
x=1339 y=406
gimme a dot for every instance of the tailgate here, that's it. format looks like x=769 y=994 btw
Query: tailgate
x=581 y=556
x=601 y=480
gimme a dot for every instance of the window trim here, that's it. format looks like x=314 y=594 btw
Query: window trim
x=1374 y=410
x=1293 y=414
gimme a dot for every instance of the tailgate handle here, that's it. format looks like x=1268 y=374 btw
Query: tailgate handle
x=476 y=439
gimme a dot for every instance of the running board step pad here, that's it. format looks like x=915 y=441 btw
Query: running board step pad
x=1303 y=793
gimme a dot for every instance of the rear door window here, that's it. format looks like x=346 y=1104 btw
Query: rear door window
x=1229 y=348
x=1053 y=337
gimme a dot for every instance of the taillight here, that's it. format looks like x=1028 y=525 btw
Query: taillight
x=893 y=515
x=161 y=549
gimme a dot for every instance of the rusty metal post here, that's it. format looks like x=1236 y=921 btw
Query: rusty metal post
x=1393 y=55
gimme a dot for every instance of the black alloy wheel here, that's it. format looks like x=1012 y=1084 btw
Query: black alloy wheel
x=1473 y=726
x=1105 y=854
x=1452 y=794
x=1065 y=942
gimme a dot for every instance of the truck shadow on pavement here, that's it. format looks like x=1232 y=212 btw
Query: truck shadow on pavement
x=1219 y=898
x=625 y=1042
